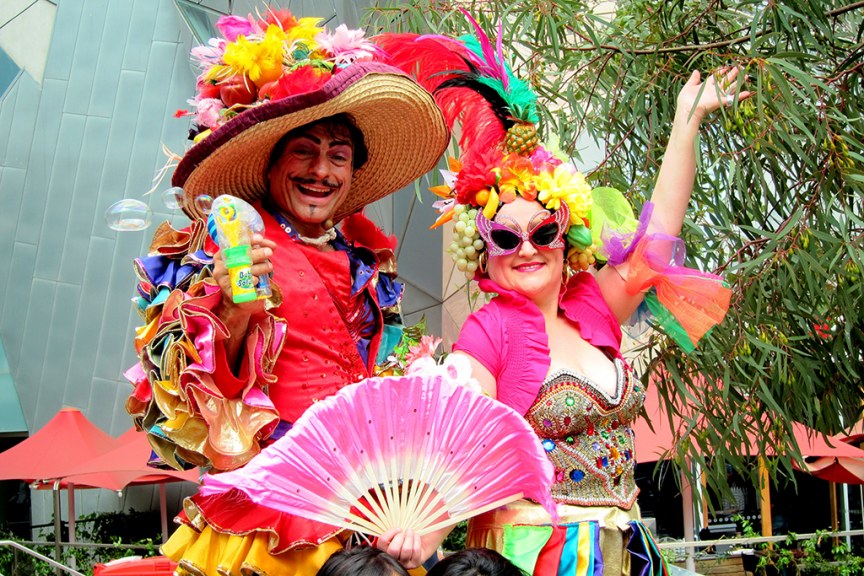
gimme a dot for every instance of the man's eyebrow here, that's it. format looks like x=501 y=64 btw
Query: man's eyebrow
x=335 y=142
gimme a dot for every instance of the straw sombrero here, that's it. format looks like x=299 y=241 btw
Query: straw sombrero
x=402 y=126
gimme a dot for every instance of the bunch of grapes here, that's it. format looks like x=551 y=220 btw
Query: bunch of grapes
x=466 y=245
x=581 y=259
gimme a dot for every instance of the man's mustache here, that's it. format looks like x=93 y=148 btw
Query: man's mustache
x=313 y=181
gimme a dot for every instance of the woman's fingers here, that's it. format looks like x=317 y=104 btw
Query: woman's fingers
x=694 y=79
x=405 y=546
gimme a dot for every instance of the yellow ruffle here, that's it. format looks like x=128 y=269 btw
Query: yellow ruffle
x=209 y=552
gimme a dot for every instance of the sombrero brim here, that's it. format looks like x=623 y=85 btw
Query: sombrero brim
x=402 y=126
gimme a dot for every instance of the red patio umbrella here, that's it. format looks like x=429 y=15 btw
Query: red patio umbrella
x=841 y=470
x=68 y=439
x=123 y=465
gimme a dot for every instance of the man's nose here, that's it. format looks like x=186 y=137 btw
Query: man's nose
x=319 y=166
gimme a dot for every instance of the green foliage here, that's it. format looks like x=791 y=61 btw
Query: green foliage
x=103 y=528
x=455 y=541
x=777 y=206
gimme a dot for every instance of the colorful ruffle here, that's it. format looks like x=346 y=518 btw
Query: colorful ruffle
x=193 y=408
x=685 y=303
x=209 y=552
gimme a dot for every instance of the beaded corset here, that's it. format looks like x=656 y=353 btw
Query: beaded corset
x=588 y=437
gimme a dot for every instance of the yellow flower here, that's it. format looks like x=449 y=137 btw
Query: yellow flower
x=305 y=32
x=260 y=60
x=568 y=186
x=217 y=72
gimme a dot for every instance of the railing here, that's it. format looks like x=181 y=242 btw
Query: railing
x=754 y=540
x=691 y=546
x=39 y=556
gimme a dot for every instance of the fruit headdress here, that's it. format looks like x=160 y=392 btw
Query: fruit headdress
x=501 y=154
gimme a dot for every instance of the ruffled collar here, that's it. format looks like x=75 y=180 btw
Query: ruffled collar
x=581 y=295
x=529 y=359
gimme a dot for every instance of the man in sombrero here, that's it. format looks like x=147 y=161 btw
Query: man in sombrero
x=308 y=126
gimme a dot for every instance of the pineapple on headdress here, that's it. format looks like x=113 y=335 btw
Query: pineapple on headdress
x=501 y=154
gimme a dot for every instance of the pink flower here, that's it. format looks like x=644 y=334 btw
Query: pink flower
x=208 y=113
x=541 y=158
x=233 y=26
x=425 y=348
x=206 y=56
x=346 y=46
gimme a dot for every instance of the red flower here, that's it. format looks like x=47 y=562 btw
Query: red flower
x=304 y=79
x=822 y=330
x=478 y=173
x=282 y=18
x=180 y=113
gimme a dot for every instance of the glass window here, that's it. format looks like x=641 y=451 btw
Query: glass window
x=201 y=20
x=9 y=72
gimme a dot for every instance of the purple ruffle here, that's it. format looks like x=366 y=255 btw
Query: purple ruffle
x=617 y=247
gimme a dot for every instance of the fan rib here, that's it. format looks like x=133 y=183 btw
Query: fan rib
x=469 y=514
x=416 y=452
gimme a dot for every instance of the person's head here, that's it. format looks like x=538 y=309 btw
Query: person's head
x=525 y=245
x=362 y=561
x=244 y=108
x=475 y=562
x=311 y=167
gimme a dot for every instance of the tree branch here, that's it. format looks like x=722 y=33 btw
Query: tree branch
x=695 y=47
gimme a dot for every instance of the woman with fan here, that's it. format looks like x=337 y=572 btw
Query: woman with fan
x=548 y=345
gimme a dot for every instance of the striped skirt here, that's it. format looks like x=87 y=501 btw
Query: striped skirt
x=587 y=541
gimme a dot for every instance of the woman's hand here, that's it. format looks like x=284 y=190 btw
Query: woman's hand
x=405 y=546
x=702 y=98
x=410 y=549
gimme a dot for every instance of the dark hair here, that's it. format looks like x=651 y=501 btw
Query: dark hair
x=359 y=154
x=362 y=561
x=475 y=562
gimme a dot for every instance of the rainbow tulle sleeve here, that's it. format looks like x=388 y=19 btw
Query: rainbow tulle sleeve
x=194 y=409
x=685 y=303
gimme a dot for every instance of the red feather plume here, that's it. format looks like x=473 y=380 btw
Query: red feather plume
x=433 y=60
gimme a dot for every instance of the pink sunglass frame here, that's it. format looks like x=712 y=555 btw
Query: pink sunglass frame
x=486 y=226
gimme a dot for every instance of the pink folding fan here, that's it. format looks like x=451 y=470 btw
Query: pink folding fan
x=415 y=452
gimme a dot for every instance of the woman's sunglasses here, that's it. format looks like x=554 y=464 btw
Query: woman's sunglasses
x=501 y=240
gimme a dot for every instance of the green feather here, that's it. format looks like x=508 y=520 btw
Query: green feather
x=520 y=99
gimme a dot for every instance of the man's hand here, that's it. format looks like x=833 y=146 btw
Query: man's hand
x=260 y=253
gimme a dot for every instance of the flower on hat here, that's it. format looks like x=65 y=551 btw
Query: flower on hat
x=478 y=173
x=269 y=57
x=305 y=32
x=209 y=112
x=347 y=46
x=279 y=16
x=260 y=60
x=233 y=26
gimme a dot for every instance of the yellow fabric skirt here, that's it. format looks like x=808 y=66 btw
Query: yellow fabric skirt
x=488 y=530
x=208 y=553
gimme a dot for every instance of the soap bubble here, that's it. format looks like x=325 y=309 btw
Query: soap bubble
x=204 y=203
x=172 y=198
x=128 y=216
